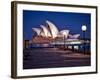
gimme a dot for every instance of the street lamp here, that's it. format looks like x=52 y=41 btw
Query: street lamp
x=84 y=28
x=64 y=33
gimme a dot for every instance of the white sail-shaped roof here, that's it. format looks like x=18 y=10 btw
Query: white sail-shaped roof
x=42 y=33
x=75 y=36
x=37 y=30
x=64 y=32
x=46 y=31
x=53 y=29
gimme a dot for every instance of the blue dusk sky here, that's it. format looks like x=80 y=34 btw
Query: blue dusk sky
x=62 y=20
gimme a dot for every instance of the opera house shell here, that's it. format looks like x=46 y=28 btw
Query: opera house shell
x=50 y=33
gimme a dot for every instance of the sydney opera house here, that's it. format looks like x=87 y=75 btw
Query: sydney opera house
x=51 y=34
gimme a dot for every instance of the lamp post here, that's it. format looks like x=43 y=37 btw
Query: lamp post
x=84 y=28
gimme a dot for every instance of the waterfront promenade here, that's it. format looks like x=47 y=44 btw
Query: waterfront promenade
x=53 y=58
